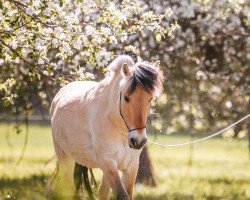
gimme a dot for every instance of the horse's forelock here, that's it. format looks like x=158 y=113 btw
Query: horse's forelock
x=146 y=75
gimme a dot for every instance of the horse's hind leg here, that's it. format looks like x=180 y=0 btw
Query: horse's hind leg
x=66 y=171
x=77 y=178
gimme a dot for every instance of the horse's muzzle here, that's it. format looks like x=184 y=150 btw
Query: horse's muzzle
x=136 y=142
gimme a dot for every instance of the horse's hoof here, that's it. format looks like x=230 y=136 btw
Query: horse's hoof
x=123 y=197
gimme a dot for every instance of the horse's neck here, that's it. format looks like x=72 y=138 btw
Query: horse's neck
x=113 y=96
x=107 y=92
x=113 y=109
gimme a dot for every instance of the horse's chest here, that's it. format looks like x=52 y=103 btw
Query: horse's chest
x=126 y=157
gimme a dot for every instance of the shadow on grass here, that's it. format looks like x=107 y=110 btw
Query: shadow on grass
x=27 y=188
x=33 y=188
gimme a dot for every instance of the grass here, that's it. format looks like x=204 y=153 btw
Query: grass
x=220 y=168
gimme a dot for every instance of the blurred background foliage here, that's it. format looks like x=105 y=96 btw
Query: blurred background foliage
x=203 y=46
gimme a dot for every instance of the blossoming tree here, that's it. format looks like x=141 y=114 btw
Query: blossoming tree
x=47 y=43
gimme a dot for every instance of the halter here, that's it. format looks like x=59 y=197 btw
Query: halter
x=129 y=130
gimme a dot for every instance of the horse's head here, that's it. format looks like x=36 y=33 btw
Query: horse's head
x=139 y=84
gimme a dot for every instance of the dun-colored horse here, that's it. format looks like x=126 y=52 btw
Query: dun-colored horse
x=103 y=125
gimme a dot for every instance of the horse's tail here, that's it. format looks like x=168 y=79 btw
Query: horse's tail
x=80 y=176
x=51 y=181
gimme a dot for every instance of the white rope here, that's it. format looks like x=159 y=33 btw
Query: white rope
x=202 y=139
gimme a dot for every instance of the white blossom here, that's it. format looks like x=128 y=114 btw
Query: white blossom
x=39 y=44
x=7 y=27
x=89 y=30
x=13 y=44
x=113 y=39
x=55 y=42
x=77 y=44
x=124 y=38
x=62 y=36
x=58 y=31
x=215 y=89
x=66 y=47
x=105 y=31
x=201 y=75
x=47 y=11
x=30 y=10
x=80 y=72
x=90 y=75
x=186 y=9
x=228 y=104
x=40 y=61
x=179 y=43
x=1 y=61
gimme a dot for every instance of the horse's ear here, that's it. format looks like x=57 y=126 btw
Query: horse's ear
x=125 y=70
x=157 y=64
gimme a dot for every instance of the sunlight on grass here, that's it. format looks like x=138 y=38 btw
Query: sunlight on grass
x=220 y=168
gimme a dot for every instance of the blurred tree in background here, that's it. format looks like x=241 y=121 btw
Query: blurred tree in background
x=45 y=44
x=206 y=62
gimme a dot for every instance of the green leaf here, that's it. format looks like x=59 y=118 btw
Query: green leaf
x=158 y=37
x=61 y=2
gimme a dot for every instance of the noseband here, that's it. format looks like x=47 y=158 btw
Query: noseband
x=129 y=130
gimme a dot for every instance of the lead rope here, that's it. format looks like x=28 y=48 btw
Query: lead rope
x=202 y=139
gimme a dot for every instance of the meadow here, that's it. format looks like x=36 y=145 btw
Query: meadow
x=220 y=168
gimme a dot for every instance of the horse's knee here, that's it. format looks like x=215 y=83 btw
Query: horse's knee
x=129 y=178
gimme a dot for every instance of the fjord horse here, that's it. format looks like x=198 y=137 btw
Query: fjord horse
x=103 y=124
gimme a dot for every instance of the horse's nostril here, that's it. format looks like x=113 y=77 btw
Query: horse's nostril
x=132 y=141
x=135 y=143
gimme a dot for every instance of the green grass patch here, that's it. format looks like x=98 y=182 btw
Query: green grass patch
x=220 y=168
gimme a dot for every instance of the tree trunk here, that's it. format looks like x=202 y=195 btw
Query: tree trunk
x=145 y=171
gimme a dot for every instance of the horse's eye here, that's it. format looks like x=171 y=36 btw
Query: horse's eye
x=126 y=99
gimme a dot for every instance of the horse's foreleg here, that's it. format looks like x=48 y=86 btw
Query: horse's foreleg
x=110 y=170
x=104 y=189
x=128 y=179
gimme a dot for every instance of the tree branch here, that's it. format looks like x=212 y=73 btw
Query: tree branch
x=34 y=66
x=20 y=56
x=19 y=3
x=36 y=17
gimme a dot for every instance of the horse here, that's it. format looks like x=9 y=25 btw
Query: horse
x=103 y=125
